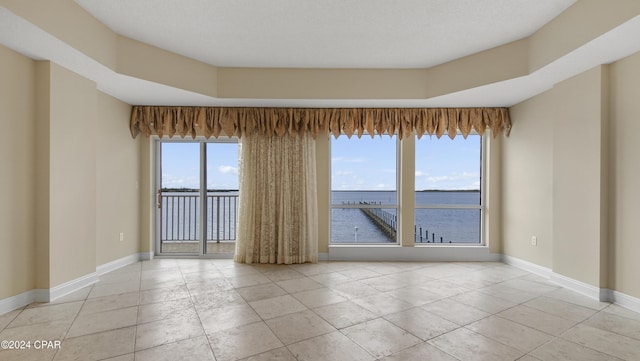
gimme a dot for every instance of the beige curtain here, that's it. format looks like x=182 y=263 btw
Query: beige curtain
x=216 y=121
x=277 y=214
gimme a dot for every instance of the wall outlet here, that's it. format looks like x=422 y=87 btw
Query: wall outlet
x=534 y=240
x=121 y=236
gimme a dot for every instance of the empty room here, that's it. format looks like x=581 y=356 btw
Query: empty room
x=319 y=180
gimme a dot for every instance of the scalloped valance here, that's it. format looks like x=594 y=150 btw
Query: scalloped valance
x=228 y=121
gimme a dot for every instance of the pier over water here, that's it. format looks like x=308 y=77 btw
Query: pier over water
x=387 y=223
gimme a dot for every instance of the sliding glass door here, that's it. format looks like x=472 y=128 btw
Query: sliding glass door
x=222 y=197
x=197 y=198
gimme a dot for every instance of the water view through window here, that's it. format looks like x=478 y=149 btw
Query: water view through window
x=364 y=190
x=181 y=228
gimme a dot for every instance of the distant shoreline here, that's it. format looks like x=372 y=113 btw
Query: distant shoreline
x=424 y=190
x=190 y=190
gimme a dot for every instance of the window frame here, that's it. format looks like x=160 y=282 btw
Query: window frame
x=156 y=150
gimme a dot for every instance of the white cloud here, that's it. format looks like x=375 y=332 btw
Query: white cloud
x=441 y=178
x=172 y=181
x=227 y=169
x=343 y=173
x=348 y=160
x=453 y=177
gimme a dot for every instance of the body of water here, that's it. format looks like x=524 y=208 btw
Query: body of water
x=453 y=225
x=180 y=217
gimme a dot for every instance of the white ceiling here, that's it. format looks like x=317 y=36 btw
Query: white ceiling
x=337 y=32
x=326 y=33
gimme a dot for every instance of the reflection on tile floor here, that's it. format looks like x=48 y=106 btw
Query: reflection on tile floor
x=219 y=310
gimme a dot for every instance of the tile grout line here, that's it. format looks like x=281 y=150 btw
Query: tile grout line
x=204 y=331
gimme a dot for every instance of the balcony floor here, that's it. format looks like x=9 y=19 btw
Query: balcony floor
x=192 y=247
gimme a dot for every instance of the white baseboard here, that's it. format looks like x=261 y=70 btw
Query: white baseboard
x=145 y=256
x=596 y=293
x=624 y=300
x=41 y=295
x=119 y=263
x=577 y=286
x=415 y=254
x=51 y=294
x=527 y=266
x=17 y=301
x=71 y=286
x=46 y=295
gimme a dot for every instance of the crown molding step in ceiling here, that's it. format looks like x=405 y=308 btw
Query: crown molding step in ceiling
x=359 y=53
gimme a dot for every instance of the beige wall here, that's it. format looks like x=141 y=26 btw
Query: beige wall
x=581 y=23
x=67 y=21
x=42 y=143
x=553 y=177
x=117 y=182
x=72 y=178
x=17 y=173
x=570 y=177
x=624 y=190
x=527 y=192
x=69 y=178
x=577 y=171
x=154 y=64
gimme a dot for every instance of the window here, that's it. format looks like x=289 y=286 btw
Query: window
x=365 y=190
x=448 y=190
x=364 y=197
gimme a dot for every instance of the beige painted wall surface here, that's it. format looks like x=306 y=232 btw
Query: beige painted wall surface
x=276 y=83
x=527 y=178
x=490 y=66
x=624 y=191
x=577 y=147
x=407 y=196
x=579 y=24
x=72 y=180
x=42 y=142
x=117 y=181
x=69 y=22
x=144 y=61
x=17 y=174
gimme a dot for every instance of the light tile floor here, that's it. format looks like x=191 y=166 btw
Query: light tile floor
x=219 y=310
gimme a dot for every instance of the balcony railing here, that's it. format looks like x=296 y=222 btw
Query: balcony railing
x=180 y=217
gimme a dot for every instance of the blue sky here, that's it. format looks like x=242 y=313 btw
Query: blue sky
x=357 y=164
x=370 y=164
x=181 y=165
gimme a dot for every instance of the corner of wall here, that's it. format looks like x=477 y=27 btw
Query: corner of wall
x=605 y=175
